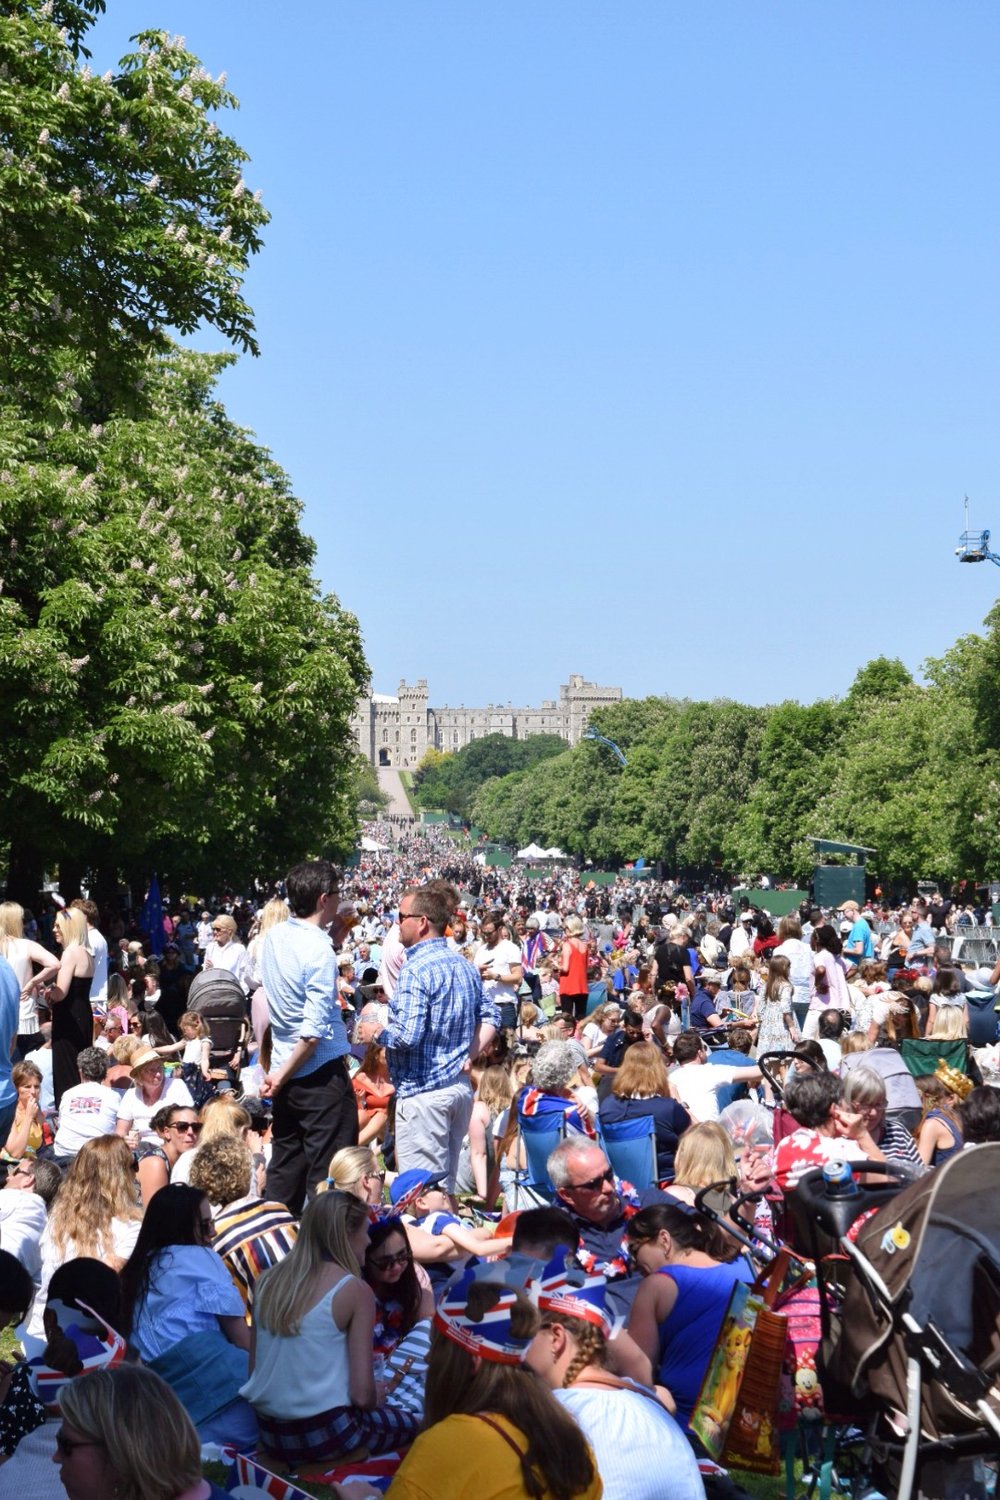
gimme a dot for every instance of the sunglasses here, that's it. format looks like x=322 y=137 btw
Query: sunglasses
x=194 y=1126
x=67 y=1446
x=593 y=1183
x=388 y=1261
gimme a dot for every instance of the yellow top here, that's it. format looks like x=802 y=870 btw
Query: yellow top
x=464 y=1458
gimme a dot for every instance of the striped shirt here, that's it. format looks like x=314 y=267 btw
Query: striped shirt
x=433 y=1014
x=252 y=1235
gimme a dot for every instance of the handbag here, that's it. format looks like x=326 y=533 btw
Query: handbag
x=752 y=1439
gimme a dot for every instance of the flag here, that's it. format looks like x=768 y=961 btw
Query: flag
x=151 y=919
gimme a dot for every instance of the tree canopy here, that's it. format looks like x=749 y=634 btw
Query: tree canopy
x=175 y=692
x=911 y=771
x=450 y=781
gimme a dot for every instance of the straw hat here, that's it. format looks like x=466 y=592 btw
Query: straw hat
x=143 y=1058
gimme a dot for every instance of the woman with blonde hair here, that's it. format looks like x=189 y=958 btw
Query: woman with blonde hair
x=704 y=1155
x=225 y=951
x=311 y=1380
x=355 y=1170
x=95 y=1214
x=641 y=1089
x=478 y=1165
x=20 y=952
x=125 y=1434
x=573 y=990
x=69 y=997
x=270 y=914
x=222 y=1115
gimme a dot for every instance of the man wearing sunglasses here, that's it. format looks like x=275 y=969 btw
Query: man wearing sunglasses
x=439 y=1017
x=599 y=1204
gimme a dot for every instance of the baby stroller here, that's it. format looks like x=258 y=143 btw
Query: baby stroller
x=916 y=1322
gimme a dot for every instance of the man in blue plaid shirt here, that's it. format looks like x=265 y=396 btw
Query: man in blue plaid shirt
x=439 y=1018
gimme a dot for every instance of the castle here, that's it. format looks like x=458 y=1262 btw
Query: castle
x=397 y=731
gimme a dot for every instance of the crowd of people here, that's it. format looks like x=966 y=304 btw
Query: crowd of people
x=318 y=1234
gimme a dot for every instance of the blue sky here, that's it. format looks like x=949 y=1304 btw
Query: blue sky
x=654 y=341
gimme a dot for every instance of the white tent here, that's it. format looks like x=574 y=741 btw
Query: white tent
x=553 y=854
x=370 y=846
x=532 y=851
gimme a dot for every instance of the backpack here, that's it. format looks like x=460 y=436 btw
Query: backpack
x=217 y=996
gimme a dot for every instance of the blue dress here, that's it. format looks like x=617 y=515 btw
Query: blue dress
x=689 y=1331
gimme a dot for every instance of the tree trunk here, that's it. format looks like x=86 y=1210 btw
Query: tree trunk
x=25 y=874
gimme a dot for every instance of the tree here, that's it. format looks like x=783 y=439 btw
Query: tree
x=798 y=758
x=451 y=781
x=124 y=211
x=173 y=689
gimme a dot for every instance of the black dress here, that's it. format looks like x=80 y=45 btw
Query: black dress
x=72 y=1030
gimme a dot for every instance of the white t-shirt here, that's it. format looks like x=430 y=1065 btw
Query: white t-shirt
x=97 y=943
x=501 y=959
x=137 y=1113
x=85 y=1111
x=123 y=1235
x=22 y=1221
x=696 y=1084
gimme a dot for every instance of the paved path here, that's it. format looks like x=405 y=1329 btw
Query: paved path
x=390 y=783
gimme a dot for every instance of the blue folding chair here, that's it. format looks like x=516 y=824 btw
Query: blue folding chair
x=630 y=1146
x=540 y=1135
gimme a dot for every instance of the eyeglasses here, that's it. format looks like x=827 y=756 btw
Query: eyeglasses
x=22 y=1171
x=66 y=1446
x=404 y=916
x=367 y=1176
x=593 y=1183
x=194 y=1126
x=388 y=1261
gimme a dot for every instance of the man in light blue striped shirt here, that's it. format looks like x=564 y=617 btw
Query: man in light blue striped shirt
x=439 y=1017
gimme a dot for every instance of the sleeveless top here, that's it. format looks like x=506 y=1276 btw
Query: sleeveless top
x=690 y=1329
x=942 y=1154
x=574 y=981
x=304 y=1374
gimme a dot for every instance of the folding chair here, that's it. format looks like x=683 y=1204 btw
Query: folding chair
x=539 y=1135
x=630 y=1146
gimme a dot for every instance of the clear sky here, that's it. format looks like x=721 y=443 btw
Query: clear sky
x=653 y=341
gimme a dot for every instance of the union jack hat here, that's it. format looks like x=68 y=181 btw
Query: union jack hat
x=98 y=1347
x=490 y=1336
x=575 y=1294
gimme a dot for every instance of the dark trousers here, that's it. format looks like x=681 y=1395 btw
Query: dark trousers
x=313 y=1117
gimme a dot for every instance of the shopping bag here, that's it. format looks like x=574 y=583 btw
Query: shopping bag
x=716 y=1403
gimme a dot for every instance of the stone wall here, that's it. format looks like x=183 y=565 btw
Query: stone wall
x=397 y=731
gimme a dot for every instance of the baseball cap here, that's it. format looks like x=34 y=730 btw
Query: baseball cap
x=416 y=1179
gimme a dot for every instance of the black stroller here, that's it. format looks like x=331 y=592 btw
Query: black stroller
x=915 y=1324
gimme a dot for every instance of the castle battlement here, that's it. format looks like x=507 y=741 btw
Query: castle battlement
x=399 y=731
